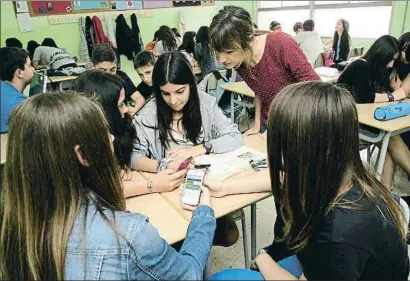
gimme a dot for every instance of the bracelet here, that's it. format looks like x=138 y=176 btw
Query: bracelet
x=390 y=96
x=149 y=186
x=163 y=164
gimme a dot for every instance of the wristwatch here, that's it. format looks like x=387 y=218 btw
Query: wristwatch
x=208 y=147
x=163 y=164
x=149 y=186
x=390 y=96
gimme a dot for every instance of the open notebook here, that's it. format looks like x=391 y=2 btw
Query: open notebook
x=224 y=166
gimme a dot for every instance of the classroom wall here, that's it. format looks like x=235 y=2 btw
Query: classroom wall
x=67 y=35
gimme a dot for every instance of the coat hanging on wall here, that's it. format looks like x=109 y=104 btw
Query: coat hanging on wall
x=84 y=53
x=89 y=34
x=138 y=45
x=99 y=36
x=124 y=38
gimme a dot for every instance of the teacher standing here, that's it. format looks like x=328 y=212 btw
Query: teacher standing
x=268 y=62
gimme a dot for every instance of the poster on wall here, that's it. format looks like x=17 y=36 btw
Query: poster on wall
x=39 y=8
x=126 y=5
x=90 y=5
x=150 y=4
x=186 y=3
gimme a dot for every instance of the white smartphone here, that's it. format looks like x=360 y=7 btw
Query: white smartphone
x=192 y=187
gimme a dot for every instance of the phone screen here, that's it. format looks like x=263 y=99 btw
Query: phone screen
x=193 y=183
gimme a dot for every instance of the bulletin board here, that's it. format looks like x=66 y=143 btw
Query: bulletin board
x=46 y=8
x=126 y=5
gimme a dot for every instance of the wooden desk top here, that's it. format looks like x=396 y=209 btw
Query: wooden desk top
x=231 y=203
x=167 y=220
x=3 y=147
x=197 y=70
x=240 y=88
x=59 y=79
x=366 y=117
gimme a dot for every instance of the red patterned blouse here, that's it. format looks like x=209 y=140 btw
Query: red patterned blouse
x=283 y=63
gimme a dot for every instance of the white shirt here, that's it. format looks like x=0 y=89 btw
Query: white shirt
x=311 y=44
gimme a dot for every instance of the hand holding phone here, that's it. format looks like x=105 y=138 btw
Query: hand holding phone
x=185 y=164
x=192 y=187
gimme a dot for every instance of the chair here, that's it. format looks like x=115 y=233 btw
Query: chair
x=320 y=62
x=38 y=85
x=361 y=51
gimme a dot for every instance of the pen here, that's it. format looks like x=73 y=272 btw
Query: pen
x=203 y=166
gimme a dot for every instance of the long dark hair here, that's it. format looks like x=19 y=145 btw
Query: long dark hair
x=344 y=41
x=188 y=43
x=174 y=68
x=378 y=56
x=313 y=140
x=167 y=37
x=43 y=193
x=105 y=88
x=31 y=48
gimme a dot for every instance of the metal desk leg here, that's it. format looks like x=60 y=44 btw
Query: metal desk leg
x=382 y=155
x=253 y=230
x=61 y=87
x=232 y=109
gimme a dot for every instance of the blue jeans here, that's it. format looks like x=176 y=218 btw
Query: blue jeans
x=291 y=264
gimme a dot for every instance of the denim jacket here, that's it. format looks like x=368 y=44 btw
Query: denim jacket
x=98 y=255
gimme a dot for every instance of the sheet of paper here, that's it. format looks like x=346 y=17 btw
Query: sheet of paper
x=226 y=165
x=21 y=7
x=24 y=21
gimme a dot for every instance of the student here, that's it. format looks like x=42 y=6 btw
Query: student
x=168 y=41
x=182 y=122
x=203 y=53
x=331 y=215
x=309 y=41
x=144 y=65
x=341 y=41
x=15 y=74
x=188 y=45
x=54 y=58
x=403 y=63
x=63 y=213
x=104 y=59
x=14 y=42
x=31 y=48
x=151 y=45
x=275 y=27
x=297 y=28
x=108 y=90
x=371 y=81
x=49 y=42
x=267 y=62
x=176 y=32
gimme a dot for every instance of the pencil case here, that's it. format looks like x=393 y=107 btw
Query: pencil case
x=392 y=111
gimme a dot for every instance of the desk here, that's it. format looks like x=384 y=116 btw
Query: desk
x=170 y=224
x=231 y=203
x=60 y=79
x=3 y=148
x=387 y=129
x=197 y=70
x=328 y=74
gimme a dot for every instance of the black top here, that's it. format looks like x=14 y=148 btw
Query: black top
x=356 y=244
x=129 y=86
x=403 y=70
x=145 y=90
x=356 y=77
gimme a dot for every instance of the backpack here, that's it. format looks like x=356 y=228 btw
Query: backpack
x=223 y=97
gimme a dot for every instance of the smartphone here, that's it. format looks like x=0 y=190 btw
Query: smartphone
x=185 y=164
x=192 y=187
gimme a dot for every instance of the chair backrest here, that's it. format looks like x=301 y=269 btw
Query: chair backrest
x=328 y=58
x=319 y=61
x=361 y=51
x=355 y=52
x=38 y=85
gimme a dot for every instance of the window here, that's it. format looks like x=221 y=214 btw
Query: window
x=286 y=19
x=326 y=13
x=376 y=24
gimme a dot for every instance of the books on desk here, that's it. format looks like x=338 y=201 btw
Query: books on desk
x=226 y=165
